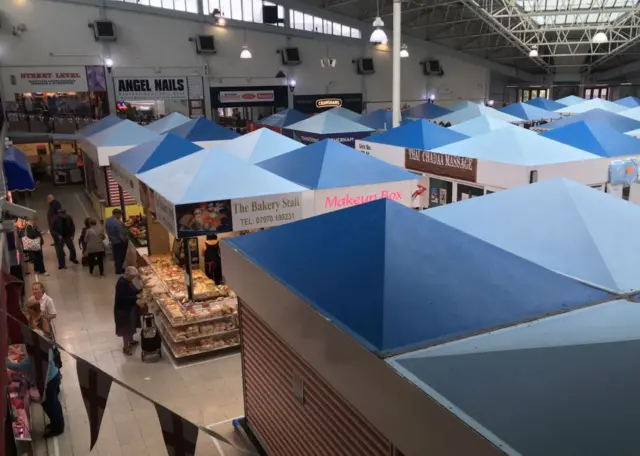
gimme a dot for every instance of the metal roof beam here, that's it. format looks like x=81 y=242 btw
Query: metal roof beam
x=568 y=12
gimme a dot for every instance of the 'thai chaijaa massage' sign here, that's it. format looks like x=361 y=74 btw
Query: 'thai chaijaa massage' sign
x=462 y=168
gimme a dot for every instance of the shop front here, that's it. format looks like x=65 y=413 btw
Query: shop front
x=236 y=107
x=315 y=104
x=146 y=99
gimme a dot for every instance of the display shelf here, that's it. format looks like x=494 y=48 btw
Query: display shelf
x=195 y=321
x=193 y=352
x=19 y=396
x=175 y=335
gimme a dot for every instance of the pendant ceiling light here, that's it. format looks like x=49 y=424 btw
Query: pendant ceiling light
x=378 y=36
x=404 y=52
x=533 y=52
x=246 y=53
x=600 y=37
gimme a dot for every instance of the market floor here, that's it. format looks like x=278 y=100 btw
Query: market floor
x=208 y=393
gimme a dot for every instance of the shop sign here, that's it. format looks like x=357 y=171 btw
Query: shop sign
x=462 y=168
x=334 y=199
x=165 y=213
x=247 y=96
x=265 y=211
x=132 y=89
x=623 y=172
x=325 y=103
x=45 y=79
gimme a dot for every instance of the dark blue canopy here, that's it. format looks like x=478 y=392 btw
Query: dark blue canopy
x=419 y=134
x=529 y=112
x=283 y=118
x=629 y=102
x=599 y=116
x=380 y=119
x=545 y=103
x=202 y=129
x=425 y=111
x=17 y=170
x=599 y=139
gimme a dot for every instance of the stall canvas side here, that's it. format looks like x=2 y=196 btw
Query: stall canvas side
x=339 y=198
x=501 y=175
x=587 y=172
x=390 y=154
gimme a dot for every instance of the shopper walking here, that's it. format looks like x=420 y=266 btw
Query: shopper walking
x=63 y=231
x=94 y=246
x=33 y=245
x=52 y=211
x=81 y=242
x=126 y=313
x=117 y=238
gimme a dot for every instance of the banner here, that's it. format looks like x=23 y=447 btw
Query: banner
x=45 y=79
x=132 y=89
x=462 y=168
x=348 y=139
x=95 y=386
x=247 y=96
x=265 y=211
x=340 y=198
x=165 y=213
x=179 y=435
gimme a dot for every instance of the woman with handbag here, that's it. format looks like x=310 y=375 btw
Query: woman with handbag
x=32 y=242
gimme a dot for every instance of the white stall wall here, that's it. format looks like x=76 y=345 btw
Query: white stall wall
x=341 y=198
x=152 y=44
x=390 y=154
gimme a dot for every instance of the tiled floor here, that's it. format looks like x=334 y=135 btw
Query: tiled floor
x=208 y=393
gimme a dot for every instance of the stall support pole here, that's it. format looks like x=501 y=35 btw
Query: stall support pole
x=122 y=205
x=397 y=42
x=188 y=275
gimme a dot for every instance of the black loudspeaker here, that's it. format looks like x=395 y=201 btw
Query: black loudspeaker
x=270 y=14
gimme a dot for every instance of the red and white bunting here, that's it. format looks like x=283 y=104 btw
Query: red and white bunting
x=95 y=386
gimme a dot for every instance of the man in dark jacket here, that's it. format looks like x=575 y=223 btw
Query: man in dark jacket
x=63 y=230
x=52 y=211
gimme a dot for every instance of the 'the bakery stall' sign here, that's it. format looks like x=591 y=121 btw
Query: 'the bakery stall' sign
x=462 y=168
x=169 y=88
x=45 y=79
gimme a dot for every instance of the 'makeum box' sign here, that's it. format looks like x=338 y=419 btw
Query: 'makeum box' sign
x=462 y=168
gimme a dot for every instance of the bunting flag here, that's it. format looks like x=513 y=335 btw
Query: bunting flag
x=38 y=350
x=180 y=436
x=95 y=386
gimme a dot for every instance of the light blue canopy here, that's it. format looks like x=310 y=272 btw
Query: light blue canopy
x=213 y=175
x=570 y=100
x=375 y=282
x=283 y=118
x=168 y=122
x=425 y=111
x=561 y=225
x=327 y=123
x=124 y=133
x=157 y=152
x=515 y=146
x=588 y=105
x=544 y=103
x=419 y=134
x=629 y=102
x=632 y=113
x=459 y=106
x=471 y=112
x=98 y=126
x=529 y=112
x=618 y=122
x=202 y=130
x=481 y=125
x=260 y=145
x=346 y=113
x=330 y=164
x=598 y=139
x=380 y=119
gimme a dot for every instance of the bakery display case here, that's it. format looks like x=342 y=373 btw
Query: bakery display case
x=208 y=323
x=136 y=227
x=19 y=395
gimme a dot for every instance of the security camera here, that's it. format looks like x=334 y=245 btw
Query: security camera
x=14 y=210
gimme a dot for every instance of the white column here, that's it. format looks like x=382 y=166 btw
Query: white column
x=397 y=42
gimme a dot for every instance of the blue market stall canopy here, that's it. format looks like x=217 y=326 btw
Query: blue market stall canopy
x=530 y=389
x=168 y=122
x=529 y=112
x=211 y=191
x=203 y=131
x=481 y=125
x=580 y=242
x=146 y=156
x=471 y=112
x=595 y=138
x=17 y=170
x=588 y=105
x=616 y=121
x=260 y=145
x=98 y=126
x=517 y=146
x=283 y=118
x=419 y=134
x=629 y=102
x=425 y=111
x=380 y=119
x=570 y=100
x=330 y=125
x=632 y=113
x=114 y=140
x=328 y=164
x=544 y=103
x=393 y=291
x=346 y=113
x=459 y=106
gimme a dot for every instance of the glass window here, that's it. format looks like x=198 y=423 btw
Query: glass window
x=440 y=192
x=281 y=16
x=144 y=2
x=156 y=3
x=180 y=5
x=247 y=10
x=327 y=26
x=192 y=6
x=317 y=24
x=167 y=4
x=467 y=192
x=257 y=11
x=346 y=31
x=308 y=23
x=543 y=93
x=337 y=29
x=603 y=93
x=225 y=8
x=587 y=94
x=298 y=20
x=236 y=10
x=355 y=33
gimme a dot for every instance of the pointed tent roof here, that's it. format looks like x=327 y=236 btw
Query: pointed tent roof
x=588 y=105
x=419 y=134
x=570 y=100
x=425 y=111
x=632 y=113
x=17 y=171
x=260 y=145
x=534 y=373
x=459 y=106
x=327 y=123
x=544 y=103
x=561 y=225
x=213 y=175
x=600 y=116
x=529 y=112
x=124 y=133
x=283 y=118
x=346 y=113
x=517 y=146
x=481 y=125
x=330 y=164
x=384 y=294
x=471 y=112
x=629 y=102
x=157 y=152
x=595 y=138
x=380 y=119
x=98 y=126
x=202 y=129
x=168 y=122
